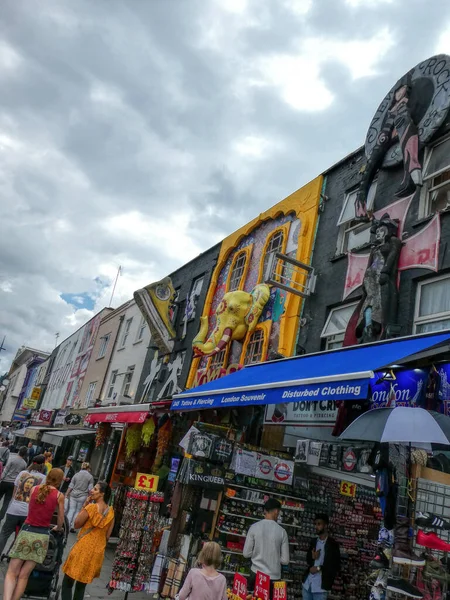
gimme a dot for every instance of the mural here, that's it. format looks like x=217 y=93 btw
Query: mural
x=409 y=115
x=170 y=382
x=237 y=314
x=155 y=302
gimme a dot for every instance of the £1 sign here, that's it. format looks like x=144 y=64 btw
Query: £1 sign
x=146 y=483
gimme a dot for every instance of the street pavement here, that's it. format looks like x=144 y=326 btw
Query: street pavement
x=97 y=590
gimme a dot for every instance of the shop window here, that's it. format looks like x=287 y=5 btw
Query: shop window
x=112 y=383
x=90 y=400
x=103 y=345
x=435 y=194
x=126 y=332
x=255 y=348
x=353 y=233
x=141 y=330
x=276 y=243
x=433 y=305
x=237 y=272
x=336 y=325
x=127 y=381
x=217 y=361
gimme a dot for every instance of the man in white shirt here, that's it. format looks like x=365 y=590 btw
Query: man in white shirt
x=323 y=559
x=267 y=543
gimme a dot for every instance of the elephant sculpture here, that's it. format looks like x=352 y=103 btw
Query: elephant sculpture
x=155 y=302
x=237 y=314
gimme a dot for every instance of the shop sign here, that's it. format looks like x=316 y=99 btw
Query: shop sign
x=29 y=403
x=116 y=417
x=279 y=590
x=204 y=475
x=262 y=586
x=146 y=483
x=307 y=397
x=307 y=413
x=44 y=417
x=36 y=393
x=60 y=418
x=408 y=389
x=348 y=489
x=239 y=587
x=72 y=419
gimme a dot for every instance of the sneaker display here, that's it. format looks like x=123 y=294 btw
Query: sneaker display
x=424 y=519
x=401 y=586
x=432 y=541
x=380 y=561
x=407 y=557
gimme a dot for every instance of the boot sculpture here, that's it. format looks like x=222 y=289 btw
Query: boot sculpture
x=403 y=555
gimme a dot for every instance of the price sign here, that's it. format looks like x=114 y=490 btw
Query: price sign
x=146 y=483
x=279 y=590
x=262 y=586
x=239 y=587
x=348 y=489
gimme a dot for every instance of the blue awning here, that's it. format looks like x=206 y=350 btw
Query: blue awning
x=342 y=374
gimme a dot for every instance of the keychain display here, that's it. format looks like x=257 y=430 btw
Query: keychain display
x=139 y=538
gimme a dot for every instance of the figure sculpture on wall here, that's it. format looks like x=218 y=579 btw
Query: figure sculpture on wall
x=399 y=123
x=379 y=304
x=155 y=302
x=237 y=314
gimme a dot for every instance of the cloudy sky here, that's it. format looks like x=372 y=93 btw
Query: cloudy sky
x=140 y=132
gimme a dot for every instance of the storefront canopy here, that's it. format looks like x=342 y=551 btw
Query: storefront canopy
x=342 y=374
x=56 y=438
x=131 y=413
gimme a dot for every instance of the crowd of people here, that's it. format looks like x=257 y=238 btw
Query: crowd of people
x=38 y=500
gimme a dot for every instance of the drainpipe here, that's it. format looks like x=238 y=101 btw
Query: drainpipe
x=321 y=208
x=121 y=319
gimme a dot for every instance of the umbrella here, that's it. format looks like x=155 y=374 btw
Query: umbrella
x=400 y=425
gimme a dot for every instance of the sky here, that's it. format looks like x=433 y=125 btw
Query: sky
x=141 y=132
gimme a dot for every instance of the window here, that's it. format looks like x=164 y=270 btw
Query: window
x=336 y=325
x=353 y=233
x=217 y=360
x=276 y=243
x=237 y=272
x=112 y=382
x=90 y=394
x=436 y=189
x=126 y=332
x=141 y=330
x=433 y=305
x=103 y=345
x=255 y=347
x=127 y=381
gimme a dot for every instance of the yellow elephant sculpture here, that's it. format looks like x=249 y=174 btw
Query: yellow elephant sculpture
x=237 y=314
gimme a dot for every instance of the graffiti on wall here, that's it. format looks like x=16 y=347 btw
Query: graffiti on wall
x=165 y=375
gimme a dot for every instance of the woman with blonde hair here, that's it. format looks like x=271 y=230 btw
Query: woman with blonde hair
x=48 y=461
x=31 y=545
x=205 y=583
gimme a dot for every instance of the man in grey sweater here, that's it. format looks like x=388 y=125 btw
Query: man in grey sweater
x=267 y=543
x=16 y=463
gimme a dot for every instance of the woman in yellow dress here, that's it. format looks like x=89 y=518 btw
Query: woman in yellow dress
x=85 y=560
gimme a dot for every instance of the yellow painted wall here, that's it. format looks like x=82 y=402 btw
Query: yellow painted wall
x=304 y=203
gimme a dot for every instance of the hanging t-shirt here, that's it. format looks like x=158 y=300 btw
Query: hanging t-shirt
x=25 y=482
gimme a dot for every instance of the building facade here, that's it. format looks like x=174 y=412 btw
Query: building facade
x=65 y=375
x=251 y=313
x=381 y=257
x=169 y=356
x=22 y=373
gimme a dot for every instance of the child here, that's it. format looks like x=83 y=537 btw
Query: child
x=205 y=583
